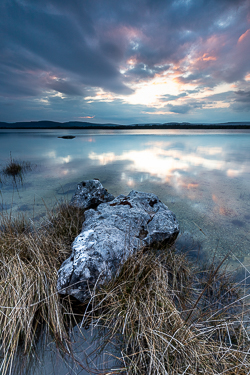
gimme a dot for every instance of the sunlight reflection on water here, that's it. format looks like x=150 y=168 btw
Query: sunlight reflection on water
x=203 y=176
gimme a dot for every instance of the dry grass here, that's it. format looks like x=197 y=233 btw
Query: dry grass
x=15 y=168
x=146 y=311
x=163 y=314
x=29 y=303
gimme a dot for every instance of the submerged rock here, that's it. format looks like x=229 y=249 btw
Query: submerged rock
x=109 y=235
x=89 y=194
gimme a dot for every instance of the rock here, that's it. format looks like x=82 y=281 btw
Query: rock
x=67 y=137
x=109 y=235
x=89 y=194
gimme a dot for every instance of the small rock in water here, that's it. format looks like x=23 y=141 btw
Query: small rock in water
x=67 y=137
x=89 y=194
x=109 y=235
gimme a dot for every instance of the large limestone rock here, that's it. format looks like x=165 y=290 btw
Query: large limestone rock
x=109 y=235
x=89 y=194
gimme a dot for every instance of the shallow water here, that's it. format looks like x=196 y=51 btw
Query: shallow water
x=87 y=357
x=203 y=176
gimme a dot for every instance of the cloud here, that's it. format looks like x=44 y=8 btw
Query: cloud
x=241 y=101
x=65 y=87
x=244 y=36
x=179 y=108
x=243 y=96
x=169 y=98
x=75 y=49
x=56 y=40
x=185 y=108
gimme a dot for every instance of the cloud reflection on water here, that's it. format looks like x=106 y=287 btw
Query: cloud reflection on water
x=187 y=166
x=203 y=177
x=168 y=164
x=197 y=173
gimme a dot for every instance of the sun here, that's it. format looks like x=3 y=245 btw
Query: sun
x=149 y=93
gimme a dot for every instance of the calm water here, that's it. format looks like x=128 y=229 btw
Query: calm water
x=203 y=176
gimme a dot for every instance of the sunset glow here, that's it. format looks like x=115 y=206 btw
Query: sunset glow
x=139 y=63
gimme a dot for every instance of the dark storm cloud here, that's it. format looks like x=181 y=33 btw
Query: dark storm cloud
x=180 y=24
x=185 y=108
x=223 y=97
x=58 y=42
x=65 y=87
x=143 y=72
x=179 y=108
x=241 y=101
x=243 y=96
x=72 y=47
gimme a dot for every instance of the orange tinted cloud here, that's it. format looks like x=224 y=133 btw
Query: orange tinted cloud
x=158 y=113
x=86 y=117
x=243 y=36
x=206 y=57
x=132 y=61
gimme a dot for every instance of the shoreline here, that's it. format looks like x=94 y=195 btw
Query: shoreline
x=139 y=127
x=45 y=124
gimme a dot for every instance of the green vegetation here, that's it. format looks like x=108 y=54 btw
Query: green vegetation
x=167 y=316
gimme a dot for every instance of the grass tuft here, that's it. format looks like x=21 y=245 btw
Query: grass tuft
x=162 y=313
x=15 y=168
x=29 y=302
x=146 y=312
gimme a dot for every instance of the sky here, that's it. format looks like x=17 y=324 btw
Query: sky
x=125 y=62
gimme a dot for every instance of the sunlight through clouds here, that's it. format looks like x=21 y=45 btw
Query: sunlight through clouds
x=138 y=62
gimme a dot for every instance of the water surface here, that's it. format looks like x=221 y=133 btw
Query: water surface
x=203 y=176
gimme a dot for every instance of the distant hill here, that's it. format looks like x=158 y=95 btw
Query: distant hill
x=49 y=125
x=89 y=125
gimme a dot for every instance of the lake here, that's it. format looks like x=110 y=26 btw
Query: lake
x=202 y=176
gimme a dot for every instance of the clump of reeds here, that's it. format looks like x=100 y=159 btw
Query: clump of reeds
x=29 y=302
x=15 y=168
x=169 y=318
